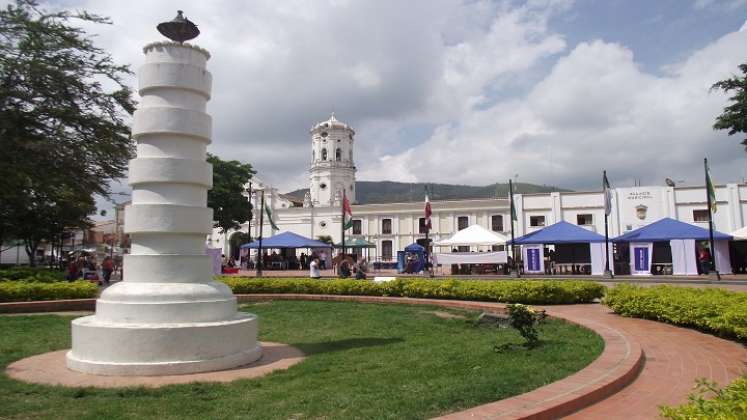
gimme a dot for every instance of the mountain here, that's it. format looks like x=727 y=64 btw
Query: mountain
x=372 y=192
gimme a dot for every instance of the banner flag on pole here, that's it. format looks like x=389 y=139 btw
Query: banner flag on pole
x=269 y=216
x=427 y=211
x=347 y=212
x=711 y=190
x=607 y=195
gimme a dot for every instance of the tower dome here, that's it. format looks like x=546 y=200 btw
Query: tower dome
x=332 y=169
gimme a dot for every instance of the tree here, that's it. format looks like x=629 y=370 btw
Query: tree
x=230 y=207
x=734 y=117
x=63 y=110
x=326 y=239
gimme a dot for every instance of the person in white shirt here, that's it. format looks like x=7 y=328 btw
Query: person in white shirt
x=314 y=269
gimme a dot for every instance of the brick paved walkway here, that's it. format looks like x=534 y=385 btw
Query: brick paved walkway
x=674 y=358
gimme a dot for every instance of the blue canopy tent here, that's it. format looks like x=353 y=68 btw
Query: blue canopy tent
x=419 y=263
x=670 y=241
x=576 y=248
x=288 y=240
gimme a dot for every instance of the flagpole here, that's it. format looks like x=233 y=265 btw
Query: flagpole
x=709 y=186
x=261 y=234
x=342 y=223
x=605 y=187
x=516 y=272
x=427 y=228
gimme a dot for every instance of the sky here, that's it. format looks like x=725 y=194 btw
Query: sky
x=463 y=92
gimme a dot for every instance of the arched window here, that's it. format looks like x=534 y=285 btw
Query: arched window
x=324 y=154
x=338 y=154
x=313 y=155
x=351 y=155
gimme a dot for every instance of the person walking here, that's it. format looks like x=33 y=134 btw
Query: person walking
x=314 y=269
x=107 y=268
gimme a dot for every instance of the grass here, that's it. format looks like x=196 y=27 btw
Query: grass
x=365 y=361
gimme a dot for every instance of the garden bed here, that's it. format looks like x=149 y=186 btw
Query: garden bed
x=364 y=361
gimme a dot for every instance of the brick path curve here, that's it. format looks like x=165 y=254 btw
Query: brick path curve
x=674 y=358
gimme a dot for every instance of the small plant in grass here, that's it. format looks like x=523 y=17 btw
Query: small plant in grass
x=523 y=319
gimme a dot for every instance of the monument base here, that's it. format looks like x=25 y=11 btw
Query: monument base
x=116 y=349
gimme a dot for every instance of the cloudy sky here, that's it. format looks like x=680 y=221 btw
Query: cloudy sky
x=468 y=91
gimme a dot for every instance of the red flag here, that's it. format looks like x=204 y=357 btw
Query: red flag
x=347 y=223
x=427 y=212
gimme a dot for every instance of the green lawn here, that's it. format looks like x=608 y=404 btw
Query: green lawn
x=365 y=361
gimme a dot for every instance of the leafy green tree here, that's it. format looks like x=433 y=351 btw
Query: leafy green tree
x=326 y=239
x=734 y=117
x=230 y=206
x=64 y=108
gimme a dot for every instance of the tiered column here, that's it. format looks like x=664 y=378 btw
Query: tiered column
x=168 y=316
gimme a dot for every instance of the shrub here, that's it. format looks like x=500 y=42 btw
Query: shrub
x=31 y=274
x=22 y=291
x=525 y=319
x=717 y=311
x=727 y=403
x=527 y=291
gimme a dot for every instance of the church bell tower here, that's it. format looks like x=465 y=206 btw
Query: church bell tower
x=332 y=168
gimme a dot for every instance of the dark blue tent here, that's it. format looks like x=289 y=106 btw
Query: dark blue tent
x=667 y=229
x=559 y=233
x=287 y=240
x=414 y=247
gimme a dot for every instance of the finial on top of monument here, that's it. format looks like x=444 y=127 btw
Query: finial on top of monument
x=179 y=29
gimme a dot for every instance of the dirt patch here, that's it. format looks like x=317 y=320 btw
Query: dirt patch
x=446 y=315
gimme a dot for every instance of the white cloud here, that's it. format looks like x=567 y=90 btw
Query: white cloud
x=441 y=74
x=595 y=110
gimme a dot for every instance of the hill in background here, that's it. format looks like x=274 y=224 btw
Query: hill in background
x=373 y=192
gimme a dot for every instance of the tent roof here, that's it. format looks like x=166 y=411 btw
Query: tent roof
x=287 y=240
x=474 y=235
x=356 y=243
x=740 y=234
x=666 y=229
x=415 y=247
x=560 y=233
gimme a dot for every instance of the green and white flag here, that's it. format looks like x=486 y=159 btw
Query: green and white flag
x=269 y=216
x=347 y=213
x=711 y=190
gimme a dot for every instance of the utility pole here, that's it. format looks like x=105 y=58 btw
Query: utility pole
x=261 y=234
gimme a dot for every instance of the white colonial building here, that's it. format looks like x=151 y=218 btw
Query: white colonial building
x=393 y=226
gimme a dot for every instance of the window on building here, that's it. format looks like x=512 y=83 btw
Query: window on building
x=356 y=227
x=700 y=215
x=584 y=219
x=351 y=154
x=496 y=223
x=463 y=248
x=386 y=250
x=497 y=248
x=324 y=154
x=536 y=220
x=386 y=226
x=462 y=222
x=313 y=155
x=421 y=225
x=338 y=154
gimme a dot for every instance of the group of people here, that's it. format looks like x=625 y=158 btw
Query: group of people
x=86 y=267
x=345 y=267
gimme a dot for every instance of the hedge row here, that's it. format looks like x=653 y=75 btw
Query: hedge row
x=717 y=311
x=728 y=403
x=527 y=291
x=31 y=274
x=21 y=291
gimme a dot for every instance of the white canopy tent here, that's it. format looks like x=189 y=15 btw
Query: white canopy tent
x=474 y=235
x=740 y=234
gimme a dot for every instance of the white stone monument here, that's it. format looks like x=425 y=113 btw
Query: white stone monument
x=167 y=316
